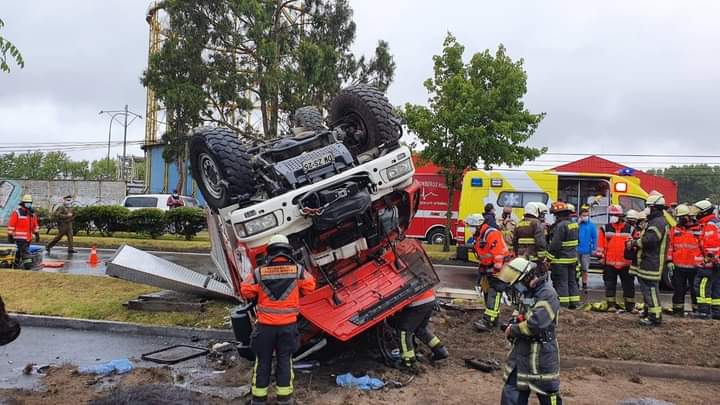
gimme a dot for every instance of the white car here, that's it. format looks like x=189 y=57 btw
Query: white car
x=159 y=201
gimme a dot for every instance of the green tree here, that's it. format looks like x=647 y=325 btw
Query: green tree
x=475 y=115
x=53 y=165
x=28 y=166
x=695 y=182
x=103 y=169
x=8 y=50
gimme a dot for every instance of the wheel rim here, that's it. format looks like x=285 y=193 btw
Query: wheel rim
x=210 y=176
x=387 y=342
x=357 y=134
x=438 y=239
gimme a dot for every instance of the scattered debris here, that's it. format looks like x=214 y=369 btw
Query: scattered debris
x=644 y=401
x=486 y=366
x=33 y=368
x=364 y=383
x=226 y=393
x=174 y=354
x=119 y=366
x=602 y=372
x=635 y=379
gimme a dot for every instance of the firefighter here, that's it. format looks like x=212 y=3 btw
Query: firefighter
x=277 y=286
x=612 y=240
x=529 y=238
x=413 y=322
x=534 y=360
x=507 y=226
x=651 y=250
x=684 y=257
x=65 y=216
x=708 y=273
x=491 y=253
x=562 y=254
x=22 y=225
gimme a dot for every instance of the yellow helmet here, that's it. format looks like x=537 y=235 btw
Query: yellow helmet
x=518 y=268
x=682 y=210
x=27 y=198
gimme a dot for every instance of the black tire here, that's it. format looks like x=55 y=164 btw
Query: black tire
x=367 y=113
x=220 y=166
x=308 y=117
x=666 y=280
x=437 y=236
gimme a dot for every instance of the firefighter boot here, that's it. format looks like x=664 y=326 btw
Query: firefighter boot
x=258 y=400
x=439 y=352
x=484 y=325
x=649 y=321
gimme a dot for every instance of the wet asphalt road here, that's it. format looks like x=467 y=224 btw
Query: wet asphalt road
x=83 y=348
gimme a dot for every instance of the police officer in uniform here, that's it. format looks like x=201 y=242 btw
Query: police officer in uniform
x=533 y=364
x=277 y=286
x=65 y=216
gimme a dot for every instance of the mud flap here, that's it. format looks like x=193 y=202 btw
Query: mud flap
x=372 y=292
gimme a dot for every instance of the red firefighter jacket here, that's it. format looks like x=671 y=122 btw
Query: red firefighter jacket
x=490 y=248
x=611 y=243
x=277 y=287
x=710 y=241
x=23 y=224
x=684 y=249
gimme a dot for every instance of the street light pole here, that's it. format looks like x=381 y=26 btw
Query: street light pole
x=113 y=117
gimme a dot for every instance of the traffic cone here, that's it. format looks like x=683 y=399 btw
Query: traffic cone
x=93 y=258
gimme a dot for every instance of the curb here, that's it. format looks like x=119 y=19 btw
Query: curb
x=123 y=327
x=653 y=370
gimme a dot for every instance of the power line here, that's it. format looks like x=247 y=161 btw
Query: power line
x=630 y=154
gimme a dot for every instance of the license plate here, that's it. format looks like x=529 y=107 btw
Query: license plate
x=312 y=164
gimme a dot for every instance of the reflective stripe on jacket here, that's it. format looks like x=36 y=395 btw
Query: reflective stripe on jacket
x=684 y=247
x=563 y=242
x=535 y=351
x=529 y=239
x=23 y=224
x=612 y=244
x=423 y=298
x=652 y=249
x=490 y=248
x=277 y=287
x=710 y=241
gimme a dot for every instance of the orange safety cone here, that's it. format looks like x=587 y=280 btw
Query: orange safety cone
x=93 y=258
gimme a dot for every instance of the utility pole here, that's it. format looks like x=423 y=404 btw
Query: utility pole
x=113 y=117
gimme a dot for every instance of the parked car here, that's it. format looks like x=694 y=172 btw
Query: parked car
x=138 y=201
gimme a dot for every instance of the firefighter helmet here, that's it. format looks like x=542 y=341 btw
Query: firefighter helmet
x=558 y=207
x=615 y=209
x=532 y=209
x=279 y=244
x=704 y=207
x=27 y=198
x=644 y=213
x=542 y=207
x=571 y=207
x=474 y=220
x=655 y=199
x=632 y=215
x=682 y=210
x=515 y=270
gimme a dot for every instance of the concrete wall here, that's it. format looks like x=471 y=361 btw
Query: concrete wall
x=49 y=194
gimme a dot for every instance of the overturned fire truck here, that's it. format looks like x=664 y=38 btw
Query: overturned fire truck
x=343 y=194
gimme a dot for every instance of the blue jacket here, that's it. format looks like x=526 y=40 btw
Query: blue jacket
x=587 y=239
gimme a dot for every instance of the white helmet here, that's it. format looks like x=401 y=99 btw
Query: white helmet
x=655 y=199
x=515 y=270
x=632 y=215
x=279 y=244
x=704 y=208
x=532 y=209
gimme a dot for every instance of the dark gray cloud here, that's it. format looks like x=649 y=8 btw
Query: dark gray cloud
x=612 y=76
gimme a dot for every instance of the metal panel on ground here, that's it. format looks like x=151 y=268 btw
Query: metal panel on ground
x=135 y=265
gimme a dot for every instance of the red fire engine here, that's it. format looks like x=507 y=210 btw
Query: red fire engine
x=430 y=220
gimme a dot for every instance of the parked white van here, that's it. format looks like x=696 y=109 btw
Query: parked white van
x=138 y=201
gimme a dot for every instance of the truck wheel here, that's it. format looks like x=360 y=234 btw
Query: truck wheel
x=308 y=117
x=437 y=236
x=220 y=166
x=367 y=117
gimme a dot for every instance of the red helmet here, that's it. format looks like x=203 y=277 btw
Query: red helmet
x=559 y=206
x=615 y=209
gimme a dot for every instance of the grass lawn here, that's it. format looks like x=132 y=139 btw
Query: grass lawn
x=435 y=252
x=201 y=243
x=99 y=298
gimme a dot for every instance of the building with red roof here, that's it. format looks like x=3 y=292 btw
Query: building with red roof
x=649 y=182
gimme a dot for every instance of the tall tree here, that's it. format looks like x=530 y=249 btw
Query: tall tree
x=104 y=169
x=475 y=115
x=8 y=50
x=695 y=182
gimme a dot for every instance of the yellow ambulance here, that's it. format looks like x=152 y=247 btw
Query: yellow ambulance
x=515 y=188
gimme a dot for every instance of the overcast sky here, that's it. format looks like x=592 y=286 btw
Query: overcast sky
x=612 y=76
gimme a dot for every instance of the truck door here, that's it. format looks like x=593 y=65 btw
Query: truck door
x=591 y=191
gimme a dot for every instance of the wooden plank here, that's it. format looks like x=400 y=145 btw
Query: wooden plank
x=453 y=293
